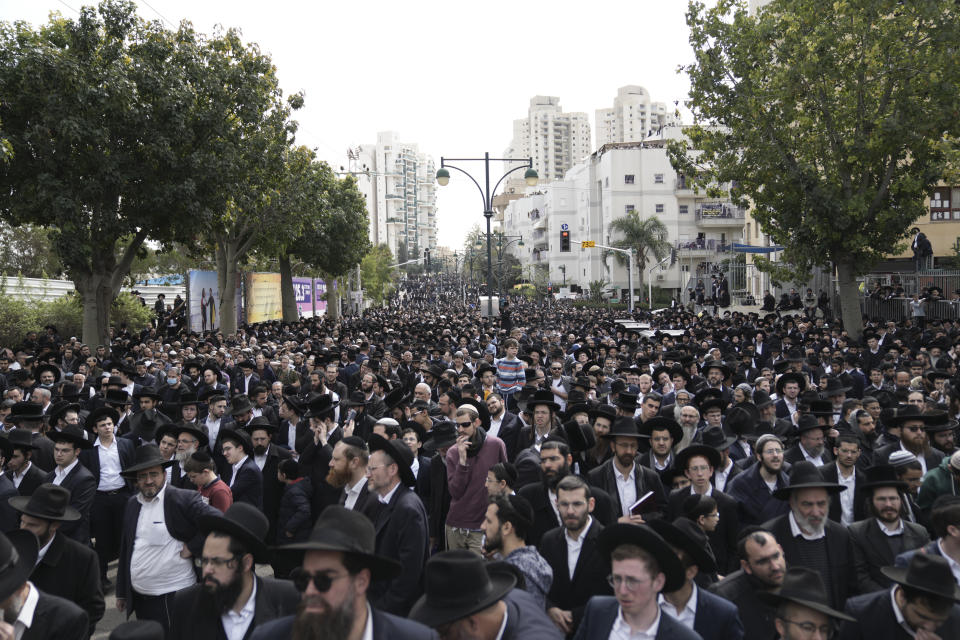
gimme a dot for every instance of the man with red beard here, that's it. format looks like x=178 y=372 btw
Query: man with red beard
x=348 y=472
x=231 y=599
x=339 y=565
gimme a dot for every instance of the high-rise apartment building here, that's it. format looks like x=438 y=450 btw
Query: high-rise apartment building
x=632 y=118
x=555 y=140
x=398 y=183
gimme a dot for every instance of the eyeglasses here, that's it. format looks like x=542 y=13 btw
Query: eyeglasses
x=809 y=628
x=216 y=563
x=914 y=429
x=321 y=581
x=629 y=582
x=464 y=424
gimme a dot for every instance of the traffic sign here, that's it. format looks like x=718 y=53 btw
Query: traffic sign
x=588 y=244
x=564 y=226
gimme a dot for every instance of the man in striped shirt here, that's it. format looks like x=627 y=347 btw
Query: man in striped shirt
x=510 y=374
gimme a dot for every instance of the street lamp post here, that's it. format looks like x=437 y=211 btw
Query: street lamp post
x=500 y=249
x=530 y=175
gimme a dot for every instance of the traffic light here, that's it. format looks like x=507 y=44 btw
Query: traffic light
x=564 y=241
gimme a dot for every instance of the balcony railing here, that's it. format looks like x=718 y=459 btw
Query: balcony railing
x=720 y=214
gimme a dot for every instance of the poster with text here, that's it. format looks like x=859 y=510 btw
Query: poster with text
x=320 y=289
x=303 y=292
x=263 y=302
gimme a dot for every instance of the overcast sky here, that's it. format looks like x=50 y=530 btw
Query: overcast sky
x=450 y=76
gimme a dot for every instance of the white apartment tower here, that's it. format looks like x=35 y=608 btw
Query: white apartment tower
x=632 y=118
x=398 y=183
x=555 y=140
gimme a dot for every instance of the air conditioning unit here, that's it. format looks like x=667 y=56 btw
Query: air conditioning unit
x=659 y=277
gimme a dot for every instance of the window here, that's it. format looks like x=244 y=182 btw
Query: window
x=659 y=208
x=658 y=178
x=628 y=179
x=606 y=181
x=629 y=208
x=684 y=208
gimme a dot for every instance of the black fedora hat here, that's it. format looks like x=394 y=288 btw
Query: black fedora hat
x=928 y=573
x=240 y=404
x=320 y=405
x=146 y=456
x=821 y=408
x=177 y=428
x=604 y=411
x=685 y=535
x=835 y=387
x=137 y=630
x=73 y=434
x=661 y=423
x=18 y=556
x=761 y=399
x=21 y=439
x=543 y=397
x=939 y=421
x=579 y=437
x=808 y=422
x=25 y=410
x=626 y=400
x=396 y=397
x=650 y=541
x=882 y=475
x=400 y=453
x=717 y=438
x=806 y=475
x=443 y=434
x=908 y=413
x=48 y=502
x=244 y=522
x=716 y=364
x=188 y=398
x=683 y=457
x=52 y=368
x=98 y=414
x=805 y=587
x=147 y=392
x=343 y=530
x=790 y=376
x=116 y=396
x=741 y=419
x=58 y=409
x=704 y=395
x=355 y=399
x=625 y=427
x=237 y=436
x=459 y=583
x=259 y=422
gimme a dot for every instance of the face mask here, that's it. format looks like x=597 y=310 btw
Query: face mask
x=171 y=381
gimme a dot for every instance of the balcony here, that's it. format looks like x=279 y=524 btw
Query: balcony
x=701 y=248
x=720 y=215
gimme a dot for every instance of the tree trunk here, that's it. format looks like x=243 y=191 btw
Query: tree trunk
x=227 y=286
x=287 y=296
x=96 y=296
x=333 y=300
x=849 y=299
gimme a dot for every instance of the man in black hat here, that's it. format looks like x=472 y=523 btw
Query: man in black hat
x=921 y=605
x=789 y=385
x=160 y=537
x=812 y=443
x=294 y=432
x=642 y=566
x=363 y=421
x=846 y=507
x=808 y=537
x=67 y=569
x=465 y=598
x=268 y=457
x=340 y=565
x=74 y=477
x=713 y=617
x=663 y=434
x=29 y=416
x=878 y=539
x=373 y=404
x=30 y=614
x=401 y=523
x=911 y=424
x=348 y=472
x=8 y=517
x=248 y=378
x=231 y=599
x=106 y=461
x=25 y=475
x=244 y=476
x=803 y=610
x=623 y=478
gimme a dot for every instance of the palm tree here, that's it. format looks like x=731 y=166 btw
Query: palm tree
x=645 y=237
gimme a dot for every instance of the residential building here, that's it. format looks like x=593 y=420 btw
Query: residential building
x=398 y=182
x=632 y=118
x=555 y=140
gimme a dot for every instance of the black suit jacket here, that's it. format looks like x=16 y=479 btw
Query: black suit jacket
x=933 y=457
x=34 y=477
x=839 y=555
x=9 y=517
x=402 y=534
x=589 y=576
x=83 y=488
x=272 y=488
x=181 y=509
x=716 y=619
x=43 y=454
x=794 y=455
x=57 y=618
x=831 y=474
x=71 y=571
x=871 y=551
x=510 y=434
x=361 y=504
x=601 y=612
x=756 y=615
x=194 y=617
x=385 y=627
x=645 y=480
x=875 y=619
x=723 y=539
x=248 y=485
x=544 y=517
x=90 y=458
x=303 y=435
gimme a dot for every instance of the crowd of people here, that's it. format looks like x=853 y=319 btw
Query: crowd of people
x=421 y=470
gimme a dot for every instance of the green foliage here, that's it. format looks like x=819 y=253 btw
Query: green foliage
x=828 y=118
x=377 y=273
x=645 y=236
x=28 y=250
x=597 y=288
x=591 y=304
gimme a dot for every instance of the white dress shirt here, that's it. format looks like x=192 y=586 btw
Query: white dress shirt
x=18 y=477
x=213 y=429
x=156 y=567
x=796 y=531
x=236 y=468
x=260 y=461
x=110 y=467
x=846 y=497
x=806 y=456
x=689 y=612
x=292 y=436
x=235 y=624
x=494 y=429
x=621 y=629
x=720 y=476
x=954 y=565
x=25 y=618
x=368 y=627
x=627 y=488
x=59 y=475
x=353 y=493
x=922 y=459
x=387 y=498
x=574 y=546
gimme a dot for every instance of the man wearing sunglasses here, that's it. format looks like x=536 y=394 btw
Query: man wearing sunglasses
x=339 y=566
x=231 y=599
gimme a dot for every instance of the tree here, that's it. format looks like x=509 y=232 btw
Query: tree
x=828 y=118
x=377 y=273
x=100 y=143
x=28 y=251
x=645 y=237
